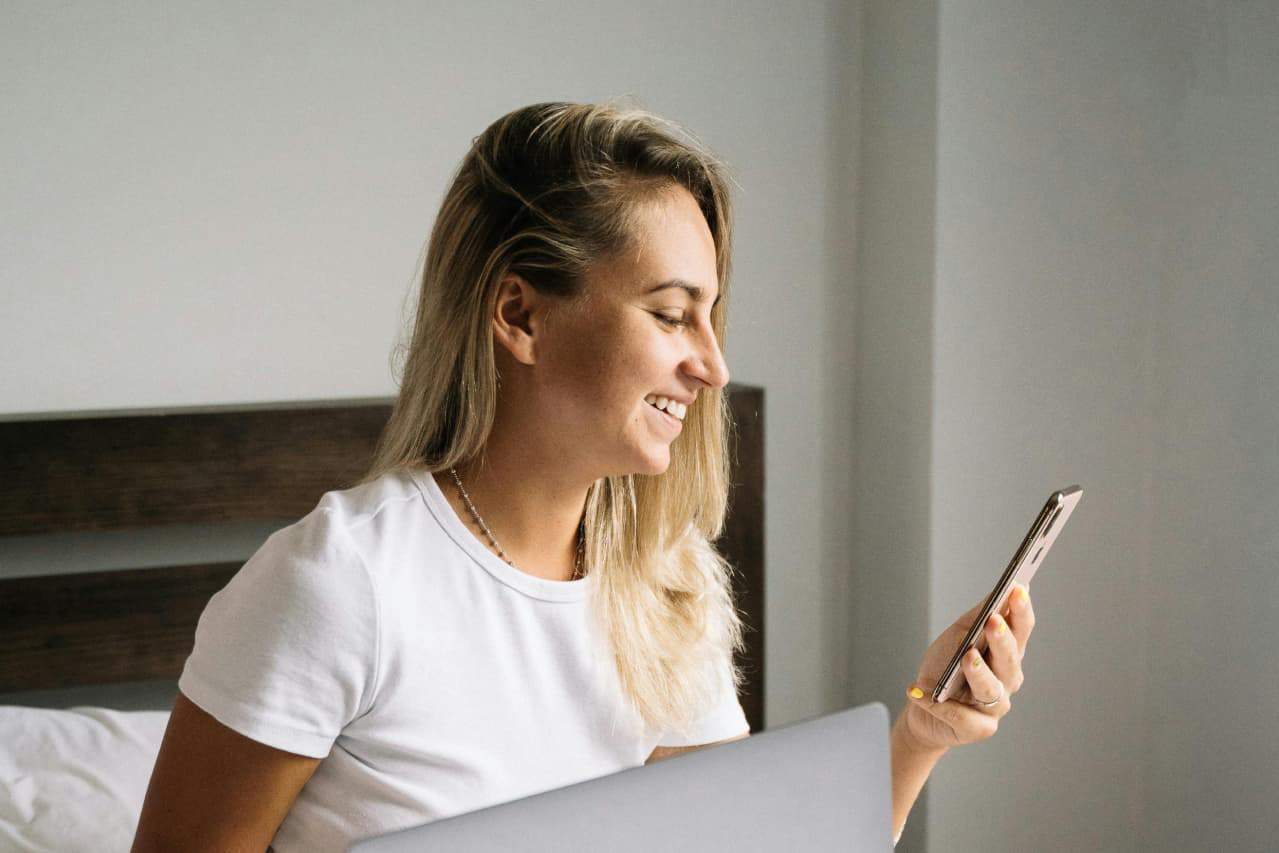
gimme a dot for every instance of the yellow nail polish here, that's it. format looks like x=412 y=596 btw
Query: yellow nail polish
x=915 y=693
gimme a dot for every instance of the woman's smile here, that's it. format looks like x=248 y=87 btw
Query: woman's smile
x=668 y=421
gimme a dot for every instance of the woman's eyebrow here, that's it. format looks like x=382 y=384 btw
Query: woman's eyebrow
x=693 y=290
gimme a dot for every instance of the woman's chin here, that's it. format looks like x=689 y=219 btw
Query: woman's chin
x=656 y=462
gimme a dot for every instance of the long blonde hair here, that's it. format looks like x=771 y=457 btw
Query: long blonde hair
x=545 y=192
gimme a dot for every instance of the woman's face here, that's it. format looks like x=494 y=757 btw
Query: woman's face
x=601 y=362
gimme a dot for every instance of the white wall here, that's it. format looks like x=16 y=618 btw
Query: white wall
x=1105 y=314
x=217 y=204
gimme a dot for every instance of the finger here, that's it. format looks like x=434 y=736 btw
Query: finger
x=1004 y=656
x=968 y=724
x=1022 y=618
x=984 y=685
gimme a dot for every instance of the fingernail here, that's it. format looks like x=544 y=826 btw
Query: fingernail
x=1021 y=595
x=997 y=625
x=915 y=693
x=974 y=657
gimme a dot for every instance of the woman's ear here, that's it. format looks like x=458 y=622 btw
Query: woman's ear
x=519 y=318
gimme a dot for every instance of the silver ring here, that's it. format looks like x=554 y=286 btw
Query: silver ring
x=994 y=701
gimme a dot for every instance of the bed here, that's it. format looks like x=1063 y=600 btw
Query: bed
x=97 y=618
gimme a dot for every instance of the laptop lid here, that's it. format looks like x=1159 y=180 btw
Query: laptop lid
x=815 y=785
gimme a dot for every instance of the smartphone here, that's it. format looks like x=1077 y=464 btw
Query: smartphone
x=1029 y=557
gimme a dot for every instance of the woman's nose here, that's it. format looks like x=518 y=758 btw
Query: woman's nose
x=707 y=364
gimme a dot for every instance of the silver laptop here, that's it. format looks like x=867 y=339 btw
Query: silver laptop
x=820 y=784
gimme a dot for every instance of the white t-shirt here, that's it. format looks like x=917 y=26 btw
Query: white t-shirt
x=379 y=634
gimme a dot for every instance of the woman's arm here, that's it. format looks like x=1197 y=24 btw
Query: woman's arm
x=912 y=765
x=215 y=789
x=661 y=752
x=925 y=730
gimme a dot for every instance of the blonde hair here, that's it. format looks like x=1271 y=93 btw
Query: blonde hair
x=545 y=192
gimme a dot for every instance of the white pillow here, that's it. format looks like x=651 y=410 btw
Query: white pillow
x=74 y=779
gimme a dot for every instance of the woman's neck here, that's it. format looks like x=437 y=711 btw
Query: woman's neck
x=533 y=512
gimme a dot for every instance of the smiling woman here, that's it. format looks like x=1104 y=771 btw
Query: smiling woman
x=522 y=592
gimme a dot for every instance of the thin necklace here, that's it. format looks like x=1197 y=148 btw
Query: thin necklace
x=577 y=564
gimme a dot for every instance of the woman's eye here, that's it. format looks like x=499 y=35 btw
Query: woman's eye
x=670 y=321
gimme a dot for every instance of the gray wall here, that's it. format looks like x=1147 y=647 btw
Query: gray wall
x=215 y=204
x=1104 y=313
x=888 y=472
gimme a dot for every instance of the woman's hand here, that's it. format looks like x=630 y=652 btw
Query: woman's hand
x=959 y=720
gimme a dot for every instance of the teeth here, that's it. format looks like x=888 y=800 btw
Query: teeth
x=667 y=405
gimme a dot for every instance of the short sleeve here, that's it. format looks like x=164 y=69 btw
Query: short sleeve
x=723 y=721
x=286 y=653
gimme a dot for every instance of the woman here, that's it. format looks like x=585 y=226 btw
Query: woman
x=522 y=592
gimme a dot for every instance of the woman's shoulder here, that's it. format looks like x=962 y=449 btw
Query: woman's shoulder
x=346 y=523
x=353 y=543
x=381 y=500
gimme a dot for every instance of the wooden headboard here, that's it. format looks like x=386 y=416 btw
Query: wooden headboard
x=128 y=472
